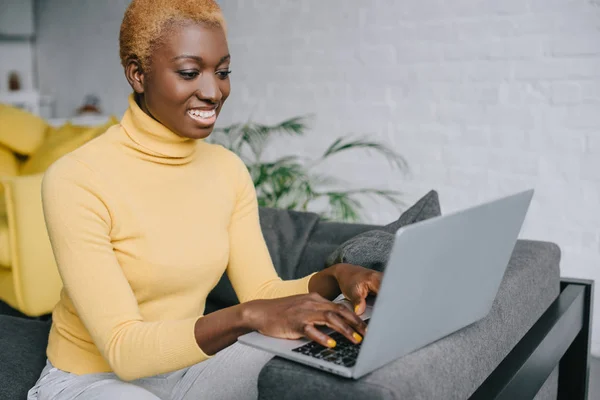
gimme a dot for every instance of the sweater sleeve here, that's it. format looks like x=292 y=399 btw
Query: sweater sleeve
x=79 y=226
x=250 y=267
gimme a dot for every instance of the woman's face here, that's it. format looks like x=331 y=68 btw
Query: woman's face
x=188 y=79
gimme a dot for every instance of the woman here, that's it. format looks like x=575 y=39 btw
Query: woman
x=145 y=219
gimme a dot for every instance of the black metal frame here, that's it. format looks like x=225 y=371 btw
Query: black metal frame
x=560 y=337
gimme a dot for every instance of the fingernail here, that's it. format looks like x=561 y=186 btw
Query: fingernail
x=331 y=343
x=356 y=309
x=357 y=337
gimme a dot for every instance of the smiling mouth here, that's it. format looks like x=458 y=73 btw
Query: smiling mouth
x=202 y=115
x=203 y=118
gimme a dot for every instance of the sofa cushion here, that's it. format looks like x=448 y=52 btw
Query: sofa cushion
x=452 y=367
x=426 y=207
x=9 y=164
x=23 y=354
x=60 y=141
x=372 y=249
x=20 y=131
x=4 y=242
x=325 y=238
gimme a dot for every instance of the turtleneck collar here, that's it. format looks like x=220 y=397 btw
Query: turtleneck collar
x=153 y=139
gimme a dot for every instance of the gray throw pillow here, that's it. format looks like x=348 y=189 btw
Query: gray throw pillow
x=372 y=249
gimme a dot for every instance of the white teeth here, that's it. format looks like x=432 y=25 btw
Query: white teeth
x=201 y=113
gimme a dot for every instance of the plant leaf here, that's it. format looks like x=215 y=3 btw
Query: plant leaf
x=226 y=136
x=343 y=207
x=293 y=126
x=256 y=136
x=344 y=144
x=274 y=181
x=324 y=180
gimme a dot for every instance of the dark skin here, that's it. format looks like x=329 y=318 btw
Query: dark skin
x=189 y=70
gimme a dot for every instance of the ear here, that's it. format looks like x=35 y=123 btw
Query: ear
x=135 y=75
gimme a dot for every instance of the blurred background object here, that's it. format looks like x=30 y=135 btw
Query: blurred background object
x=14 y=82
x=91 y=105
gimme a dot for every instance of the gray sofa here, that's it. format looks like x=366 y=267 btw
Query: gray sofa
x=538 y=329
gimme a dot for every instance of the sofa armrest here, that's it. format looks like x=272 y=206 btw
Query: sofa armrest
x=35 y=279
x=452 y=367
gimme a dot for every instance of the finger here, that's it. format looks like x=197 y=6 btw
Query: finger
x=374 y=282
x=345 y=312
x=312 y=333
x=358 y=296
x=360 y=306
x=356 y=293
x=352 y=319
x=346 y=303
x=338 y=324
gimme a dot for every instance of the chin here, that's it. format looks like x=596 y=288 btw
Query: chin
x=200 y=133
x=195 y=132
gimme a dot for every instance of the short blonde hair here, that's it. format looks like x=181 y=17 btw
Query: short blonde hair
x=146 y=20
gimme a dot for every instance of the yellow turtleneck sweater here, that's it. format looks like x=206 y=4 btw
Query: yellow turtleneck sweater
x=143 y=223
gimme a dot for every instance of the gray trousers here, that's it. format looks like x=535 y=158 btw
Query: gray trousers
x=231 y=374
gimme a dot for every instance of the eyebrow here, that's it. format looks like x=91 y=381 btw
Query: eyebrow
x=199 y=59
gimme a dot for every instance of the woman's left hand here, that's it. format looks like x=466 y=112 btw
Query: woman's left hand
x=356 y=283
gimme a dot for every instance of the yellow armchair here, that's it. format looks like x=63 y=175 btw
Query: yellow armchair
x=29 y=279
x=30 y=282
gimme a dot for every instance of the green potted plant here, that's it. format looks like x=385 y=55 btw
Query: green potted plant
x=296 y=183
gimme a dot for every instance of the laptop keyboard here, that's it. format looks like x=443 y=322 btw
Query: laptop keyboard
x=344 y=353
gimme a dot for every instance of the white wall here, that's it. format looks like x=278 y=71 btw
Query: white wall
x=483 y=98
x=16 y=18
x=78 y=53
x=17 y=55
x=16 y=46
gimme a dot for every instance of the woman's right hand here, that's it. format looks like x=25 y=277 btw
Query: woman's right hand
x=298 y=316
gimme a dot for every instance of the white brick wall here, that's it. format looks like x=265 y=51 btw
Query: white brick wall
x=482 y=97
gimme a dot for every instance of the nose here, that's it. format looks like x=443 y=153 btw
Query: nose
x=208 y=88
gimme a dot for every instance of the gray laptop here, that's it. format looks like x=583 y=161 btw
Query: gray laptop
x=442 y=275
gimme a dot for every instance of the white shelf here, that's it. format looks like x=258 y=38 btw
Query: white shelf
x=85 y=120
x=29 y=100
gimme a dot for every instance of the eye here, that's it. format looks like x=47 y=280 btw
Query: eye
x=223 y=74
x=188 y=75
